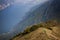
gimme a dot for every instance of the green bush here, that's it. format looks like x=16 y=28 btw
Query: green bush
x=34 y=27
x=26 y=31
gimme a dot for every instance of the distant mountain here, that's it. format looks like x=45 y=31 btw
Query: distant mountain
x=5 y=3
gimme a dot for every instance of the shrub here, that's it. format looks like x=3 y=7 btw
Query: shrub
x=34 y=27
x=26 y=31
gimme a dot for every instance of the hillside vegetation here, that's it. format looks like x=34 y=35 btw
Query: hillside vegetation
x=44 y=31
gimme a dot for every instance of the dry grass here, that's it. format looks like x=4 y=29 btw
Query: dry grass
x=49 y=30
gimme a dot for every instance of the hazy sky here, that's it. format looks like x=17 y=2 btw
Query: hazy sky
x=12 y=13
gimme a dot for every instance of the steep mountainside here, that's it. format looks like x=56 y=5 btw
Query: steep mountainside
x=44 y=12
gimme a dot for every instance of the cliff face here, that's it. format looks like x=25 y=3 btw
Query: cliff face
x=49 y=31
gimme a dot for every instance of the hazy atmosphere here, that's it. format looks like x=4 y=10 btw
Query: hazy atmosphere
x=13 y=11
x=21 y=17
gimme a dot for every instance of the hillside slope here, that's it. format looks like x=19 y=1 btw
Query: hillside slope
x=49 y=31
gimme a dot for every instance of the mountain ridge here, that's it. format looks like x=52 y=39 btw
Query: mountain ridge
x=48 y=31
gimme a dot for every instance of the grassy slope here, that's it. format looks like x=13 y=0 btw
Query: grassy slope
x=44 y=31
